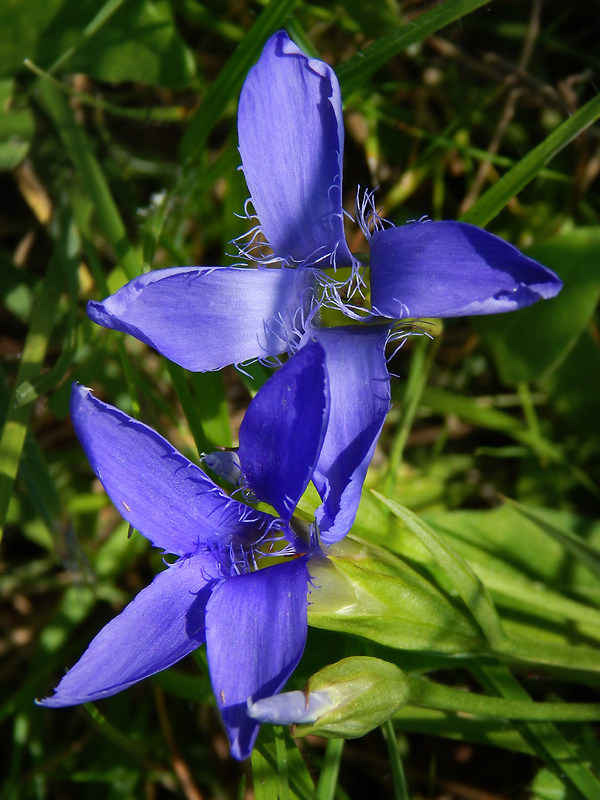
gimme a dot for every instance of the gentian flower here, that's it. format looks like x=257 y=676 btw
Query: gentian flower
x=252 y=617
x=291 y=139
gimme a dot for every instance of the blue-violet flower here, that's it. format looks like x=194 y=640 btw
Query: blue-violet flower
x=252 y=616
x=291 y=141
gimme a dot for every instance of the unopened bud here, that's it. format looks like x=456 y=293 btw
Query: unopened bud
x=344 y=700
x=292 y=708
x=225 y=464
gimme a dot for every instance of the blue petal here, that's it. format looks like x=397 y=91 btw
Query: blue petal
x=359 y=386
x=451 y=269
x=283 y=430
x=225 y=464
x=293 y=708
x=204 y=318
x=159 y=627
x=255 y=634
x=156 y=489
x=291 y=136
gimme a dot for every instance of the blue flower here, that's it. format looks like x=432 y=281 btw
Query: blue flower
x=252 y=617
x=291 y=139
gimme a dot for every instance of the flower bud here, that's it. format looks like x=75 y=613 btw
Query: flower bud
x=225 y=464
x=343 y=700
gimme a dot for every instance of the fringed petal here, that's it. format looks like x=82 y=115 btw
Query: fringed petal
x=156 y=489
x=291 y=136
x=451 y=269
x=359 y=386
x=205 y=318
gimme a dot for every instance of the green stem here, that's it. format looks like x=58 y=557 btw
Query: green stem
x=543 y=737
x=330 y=769
x=528 y=408
x=168 y=114
x=282 y=763
x=433 y=695
x=400 y=789
x=420 y=365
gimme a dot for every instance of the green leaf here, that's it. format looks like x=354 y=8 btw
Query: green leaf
x=530 y=577
x=22 y=23
x=579 y=548
x=362 y=65
x=134 y=40
x=16 y=130
x=480 y=412
x=517 y=548
x=464 y=580
x=12 y=437
x=269 y=776
x=400 y=788
x=543 y=737
x=528 y=344
x=481 y=730
x=79 y=150
x=330 y=770
x=574 y=387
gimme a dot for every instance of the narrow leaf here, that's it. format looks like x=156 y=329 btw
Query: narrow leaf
x=468 y=585
x=79 y=150
x=330 y=769
x=494 y=200
x=361 y=66
x=543 y=737
x=231 y=77
x=575 y=545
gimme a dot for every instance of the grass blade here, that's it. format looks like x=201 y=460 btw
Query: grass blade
x=494 y=200
x=576 y=546
x=79 y=150
x=468 y=585
x=361 y=66
x=43 y=316
x=230 y=79
x=543 y=737
x=330 y=769
x=400 y=789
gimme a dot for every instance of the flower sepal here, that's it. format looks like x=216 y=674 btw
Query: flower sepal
x=364 y=590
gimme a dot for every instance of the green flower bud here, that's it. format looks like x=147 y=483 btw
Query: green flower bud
x=344 y=700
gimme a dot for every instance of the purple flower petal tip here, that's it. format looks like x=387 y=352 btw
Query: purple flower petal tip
x=452 y=269
x=161 y=625
x=277 y=462
x=291 y=109
x=256 y=629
